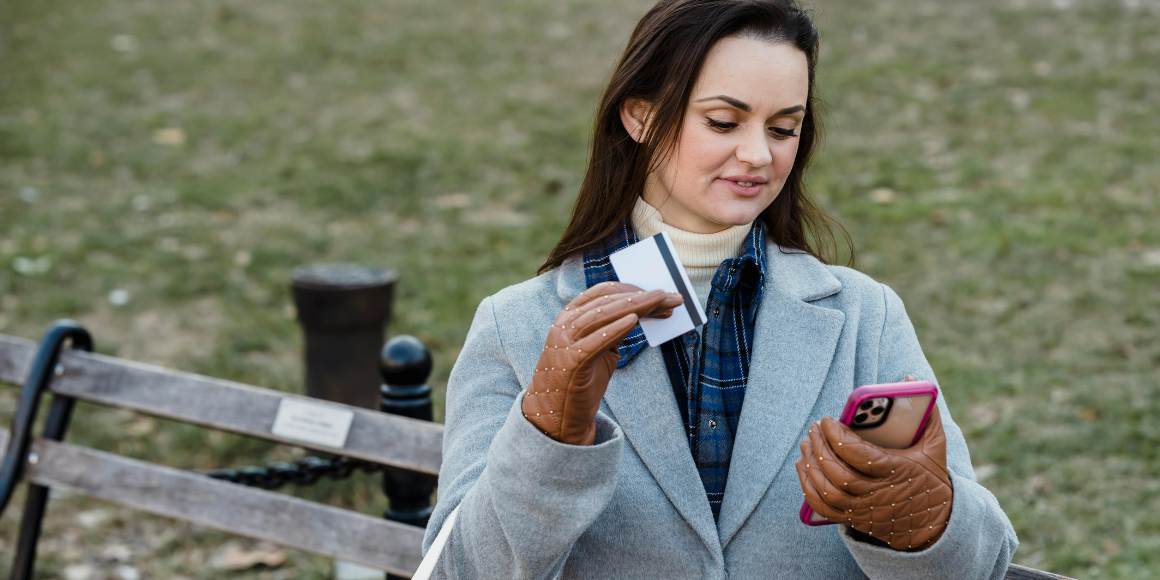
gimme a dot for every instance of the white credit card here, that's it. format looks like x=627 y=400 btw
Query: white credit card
x=651 y=264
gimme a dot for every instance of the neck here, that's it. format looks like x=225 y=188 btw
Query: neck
x=676 y=214
x=700 y=254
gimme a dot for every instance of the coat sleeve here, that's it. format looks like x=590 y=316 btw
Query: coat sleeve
x=979 y=541
x=524 y=498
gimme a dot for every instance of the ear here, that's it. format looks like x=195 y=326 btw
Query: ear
x=634 y=113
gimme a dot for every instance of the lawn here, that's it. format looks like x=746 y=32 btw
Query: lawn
x=164 y=165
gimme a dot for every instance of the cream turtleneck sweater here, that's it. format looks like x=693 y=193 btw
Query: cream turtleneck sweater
x=700 y=254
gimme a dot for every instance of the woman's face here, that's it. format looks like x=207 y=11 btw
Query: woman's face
x=738 y=139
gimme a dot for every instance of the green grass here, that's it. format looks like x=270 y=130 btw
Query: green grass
x=447 y=140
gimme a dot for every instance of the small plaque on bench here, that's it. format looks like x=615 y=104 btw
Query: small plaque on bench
x=312 y=423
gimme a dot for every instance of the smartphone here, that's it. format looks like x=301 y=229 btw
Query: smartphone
x=888 y=415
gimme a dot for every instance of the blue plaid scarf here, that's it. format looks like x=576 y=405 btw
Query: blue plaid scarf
x=709 y=388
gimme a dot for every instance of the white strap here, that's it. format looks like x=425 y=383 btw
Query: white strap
x=432 y=557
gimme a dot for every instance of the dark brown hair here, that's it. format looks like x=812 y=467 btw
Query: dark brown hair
x=660 y=65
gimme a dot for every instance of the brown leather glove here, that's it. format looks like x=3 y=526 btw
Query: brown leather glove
x=900 y=496
x=580 y=354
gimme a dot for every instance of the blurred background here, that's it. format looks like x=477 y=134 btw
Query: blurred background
x=164 y=166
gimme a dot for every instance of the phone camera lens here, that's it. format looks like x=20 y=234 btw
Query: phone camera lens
x=876 y=411
x=860 y=417
x=866 y=405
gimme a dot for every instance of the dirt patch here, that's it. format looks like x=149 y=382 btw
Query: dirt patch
x=158 y=336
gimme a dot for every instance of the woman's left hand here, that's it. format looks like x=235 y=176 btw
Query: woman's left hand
x=900 y=496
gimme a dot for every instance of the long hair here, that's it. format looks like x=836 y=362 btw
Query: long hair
x=660 y=65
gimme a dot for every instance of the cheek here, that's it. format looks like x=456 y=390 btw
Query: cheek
x=784 y=153
x=701 y=152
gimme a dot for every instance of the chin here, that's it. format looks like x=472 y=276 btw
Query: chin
x=736 y=214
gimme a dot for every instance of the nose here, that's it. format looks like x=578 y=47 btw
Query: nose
x=754 y=148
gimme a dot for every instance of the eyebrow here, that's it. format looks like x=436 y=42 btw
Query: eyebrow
x=745 y=107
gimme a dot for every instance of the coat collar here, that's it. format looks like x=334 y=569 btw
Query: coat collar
x=794 y=343
x=790 y=272
x=598 y=269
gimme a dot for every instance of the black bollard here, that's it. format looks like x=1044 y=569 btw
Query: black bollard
x=405 y=366
x=343 y=309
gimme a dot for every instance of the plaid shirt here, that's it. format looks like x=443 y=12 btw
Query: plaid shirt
x=709 y=388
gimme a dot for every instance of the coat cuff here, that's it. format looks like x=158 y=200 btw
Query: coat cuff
x=572 y=482
x=974 y=545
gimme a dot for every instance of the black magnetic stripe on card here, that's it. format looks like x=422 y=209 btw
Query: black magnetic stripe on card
x=667 y=255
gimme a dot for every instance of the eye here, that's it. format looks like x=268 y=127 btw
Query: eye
x=783 y=133
x=720 y=125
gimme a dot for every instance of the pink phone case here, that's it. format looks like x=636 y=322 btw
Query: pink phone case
x=911 y=391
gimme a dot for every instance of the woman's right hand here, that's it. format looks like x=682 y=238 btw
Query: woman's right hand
x=580 y=354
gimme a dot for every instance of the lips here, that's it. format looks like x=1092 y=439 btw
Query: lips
x=744 y=185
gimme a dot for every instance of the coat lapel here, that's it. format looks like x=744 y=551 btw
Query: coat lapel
x=793 y=345
x=643 y=404
x=646 y=410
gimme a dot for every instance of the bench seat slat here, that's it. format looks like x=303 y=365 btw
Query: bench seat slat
x=224 y=405
x=265 y=515
x=1015 y=572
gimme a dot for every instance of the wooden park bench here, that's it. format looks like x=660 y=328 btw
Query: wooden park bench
x=407 y=446
x=48 y=462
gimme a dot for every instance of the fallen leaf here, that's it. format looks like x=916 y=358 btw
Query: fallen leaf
x=78 y=572
x=119 y=297
x=452 y=201
x=194 y=252
x=128 y=573
x=31 y=266
x=141 y=426
x=882 y=195
x=124 y=43
x=117 y=553
x=497 y=217
x=1036 y=485
x=982 y=415
x=233 y=556
x=169 y=136
x=351 y=571
x=1111 y=547
x=983 y=472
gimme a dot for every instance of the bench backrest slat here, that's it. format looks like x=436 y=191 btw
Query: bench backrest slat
x=266 y=515
x=224 y=405
x=15 y=356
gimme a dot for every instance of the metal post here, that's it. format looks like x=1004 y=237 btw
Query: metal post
x=343 y=309
x=405 y=366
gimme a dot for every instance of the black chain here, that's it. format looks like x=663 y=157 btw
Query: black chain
x=305 y=472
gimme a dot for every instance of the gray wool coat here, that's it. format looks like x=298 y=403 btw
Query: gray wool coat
x=632 y=506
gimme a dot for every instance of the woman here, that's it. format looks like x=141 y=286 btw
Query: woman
x=573 y=450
